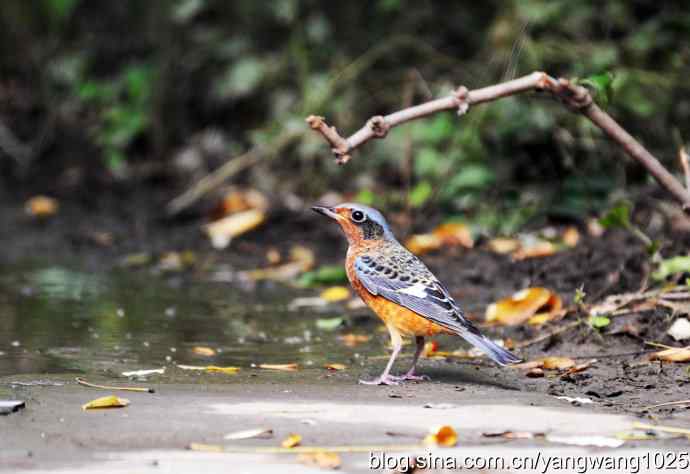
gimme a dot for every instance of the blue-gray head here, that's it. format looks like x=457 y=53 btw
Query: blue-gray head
x=359 y=222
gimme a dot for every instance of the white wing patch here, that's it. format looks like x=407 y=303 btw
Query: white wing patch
x=418 y=290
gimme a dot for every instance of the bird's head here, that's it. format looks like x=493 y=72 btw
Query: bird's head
x=359 y=222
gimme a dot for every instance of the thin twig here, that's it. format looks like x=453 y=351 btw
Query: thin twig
x=666 y=404
x=236 y=165
x=685 y=165
x=575 y=97
x=83 y=382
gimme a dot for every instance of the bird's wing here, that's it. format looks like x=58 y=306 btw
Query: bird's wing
x=403 y=279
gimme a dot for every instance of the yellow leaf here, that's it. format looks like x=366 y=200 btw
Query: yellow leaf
x=675 y=354
x=442 y=436
x=420 y=244
x=285 y=367
x=523 y=305
x=41 y=206
x=224 y=370
x=335 y=293
x=111 y=401
x=222 y=231
x=203 y=351
x=539 y=319
x=541 y=248
x=454 y=234
x=504 y=245
x=558 y=363
x=291 y=441
x=336 y=366
x=352 y=340
x=571 y=236
x=322 y=460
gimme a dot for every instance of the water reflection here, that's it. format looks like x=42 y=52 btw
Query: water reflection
x=55 y=319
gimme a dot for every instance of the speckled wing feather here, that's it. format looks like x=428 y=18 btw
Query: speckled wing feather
x=397 y=275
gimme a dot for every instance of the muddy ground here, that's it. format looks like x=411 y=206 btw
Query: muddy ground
x=621 y=382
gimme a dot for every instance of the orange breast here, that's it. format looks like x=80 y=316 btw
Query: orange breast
x=405 y=321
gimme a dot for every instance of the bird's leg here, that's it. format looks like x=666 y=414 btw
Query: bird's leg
x=410 y=375
x=386 y=378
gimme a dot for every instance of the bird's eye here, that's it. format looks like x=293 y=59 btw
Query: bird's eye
x=358 y=216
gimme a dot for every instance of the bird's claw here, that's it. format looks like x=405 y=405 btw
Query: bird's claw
x=387 y=380
x=411 y=376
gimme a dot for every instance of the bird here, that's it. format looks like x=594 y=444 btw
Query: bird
x=401 y=290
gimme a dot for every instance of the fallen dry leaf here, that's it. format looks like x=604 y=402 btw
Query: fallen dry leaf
x=571 y=236
x=674 y=354
x=523 y=305
x=238 y=200
x=41 y=206
x=420 y=244
x=454 y=234
x=451 y=234
x=176 y=261
x=335 y=293
x=291 y=441
x=111 y=401
x=504 y=245
x=263 y=433
x=203 y=351
x=284 y=367
x=352 y=340
x=557 y=363
x=336 y=366
x=442 y=436
x=535 y=373
x=539 y=248
x=222 y=231
x=300 y=260
x=209 y=368
x=223 y=370
x=322 y=460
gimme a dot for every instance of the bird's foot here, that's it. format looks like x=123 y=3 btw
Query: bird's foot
x=382 y=380
x=411 y=376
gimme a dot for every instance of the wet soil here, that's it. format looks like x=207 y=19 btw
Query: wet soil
x=69 y=308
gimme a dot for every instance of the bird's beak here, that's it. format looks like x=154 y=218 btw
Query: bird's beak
x=327 y=211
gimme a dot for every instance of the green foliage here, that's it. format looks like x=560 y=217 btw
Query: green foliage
x=672 y=266
x=617 y=217
x=123 y=106
x=324 y=275
x=601 y=86
x=598 y=322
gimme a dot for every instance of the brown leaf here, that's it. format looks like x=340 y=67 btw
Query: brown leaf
x=284 y=367
x=203 y=351
x=675 y=354
x=504 y=245
x=291 y=441
x=442 y=436
x=41 y=206
x=222 y=231
x=523 y=305
x=540 y=248
x=335 y=366
x=322 y=460
x=558 y=363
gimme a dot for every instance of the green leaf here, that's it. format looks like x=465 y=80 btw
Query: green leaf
x=618 y=217
x=61 y=9
x=365 y=196
x=672 y=266
x=601 y=85
x=599 y=322
x=329 y=324
x=420 y=194
x=324 y=275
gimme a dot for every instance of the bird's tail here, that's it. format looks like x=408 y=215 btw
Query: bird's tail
x=498 y=354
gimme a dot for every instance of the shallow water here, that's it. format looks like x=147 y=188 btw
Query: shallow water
x=59 y=319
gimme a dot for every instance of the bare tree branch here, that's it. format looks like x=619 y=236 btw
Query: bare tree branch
x=683 y=157
x=574 y=96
